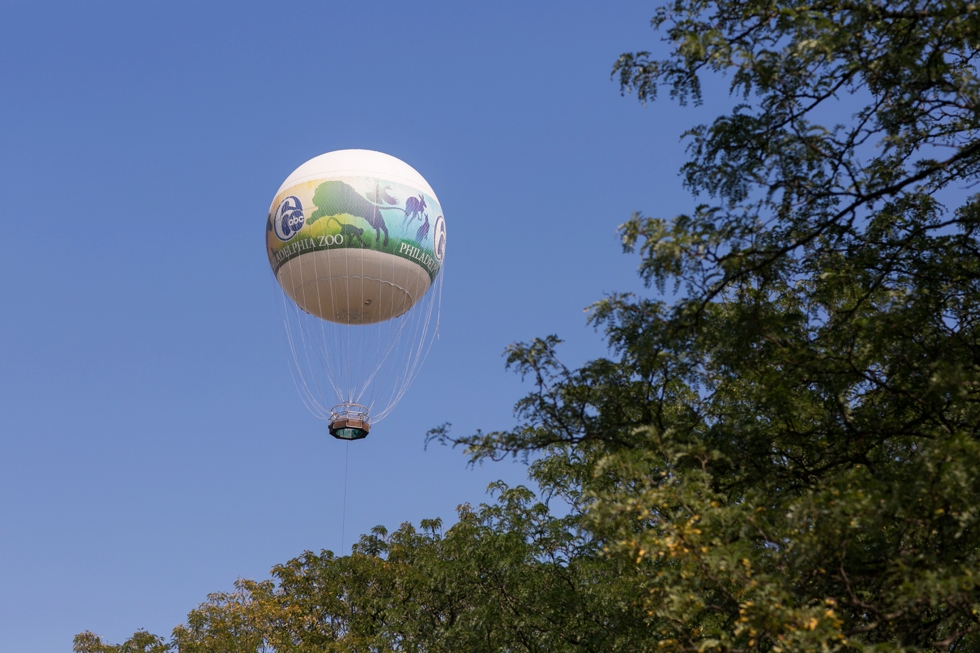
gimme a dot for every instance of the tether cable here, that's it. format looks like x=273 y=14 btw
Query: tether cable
x=343 y=518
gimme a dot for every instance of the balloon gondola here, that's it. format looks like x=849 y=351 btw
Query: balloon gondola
x=349 y=421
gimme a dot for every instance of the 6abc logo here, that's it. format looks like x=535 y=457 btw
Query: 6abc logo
x=288 y=219
x=439 y=239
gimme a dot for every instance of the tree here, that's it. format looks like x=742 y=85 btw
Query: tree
x=506 y=576
x=786 y=456
x=140 y=642
x=790 y=450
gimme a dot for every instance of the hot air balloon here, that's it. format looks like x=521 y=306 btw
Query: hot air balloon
x=356 y=240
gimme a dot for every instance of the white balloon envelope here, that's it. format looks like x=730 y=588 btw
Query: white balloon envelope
x=356 y=240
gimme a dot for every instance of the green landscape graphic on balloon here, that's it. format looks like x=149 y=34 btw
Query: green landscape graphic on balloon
x=358 y=213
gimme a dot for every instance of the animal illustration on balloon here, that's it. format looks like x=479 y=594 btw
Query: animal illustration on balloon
x=382 y=194
x=414 y=206
x=349 y=232
x=423 y=230
x=360 y=313
x=337 y=197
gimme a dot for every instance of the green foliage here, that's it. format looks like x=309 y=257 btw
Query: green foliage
x=790 y=450
x=140 y=642
x=787 y=456
x=506 y=576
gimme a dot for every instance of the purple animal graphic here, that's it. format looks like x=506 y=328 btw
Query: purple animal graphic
x=414 y=206
x=423 y=230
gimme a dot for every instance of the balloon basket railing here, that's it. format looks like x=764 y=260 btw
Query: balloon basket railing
x=349 y=422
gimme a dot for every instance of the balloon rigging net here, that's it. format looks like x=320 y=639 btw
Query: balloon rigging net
x=353 y=368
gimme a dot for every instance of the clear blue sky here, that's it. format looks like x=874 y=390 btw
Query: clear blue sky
x=152 y=445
